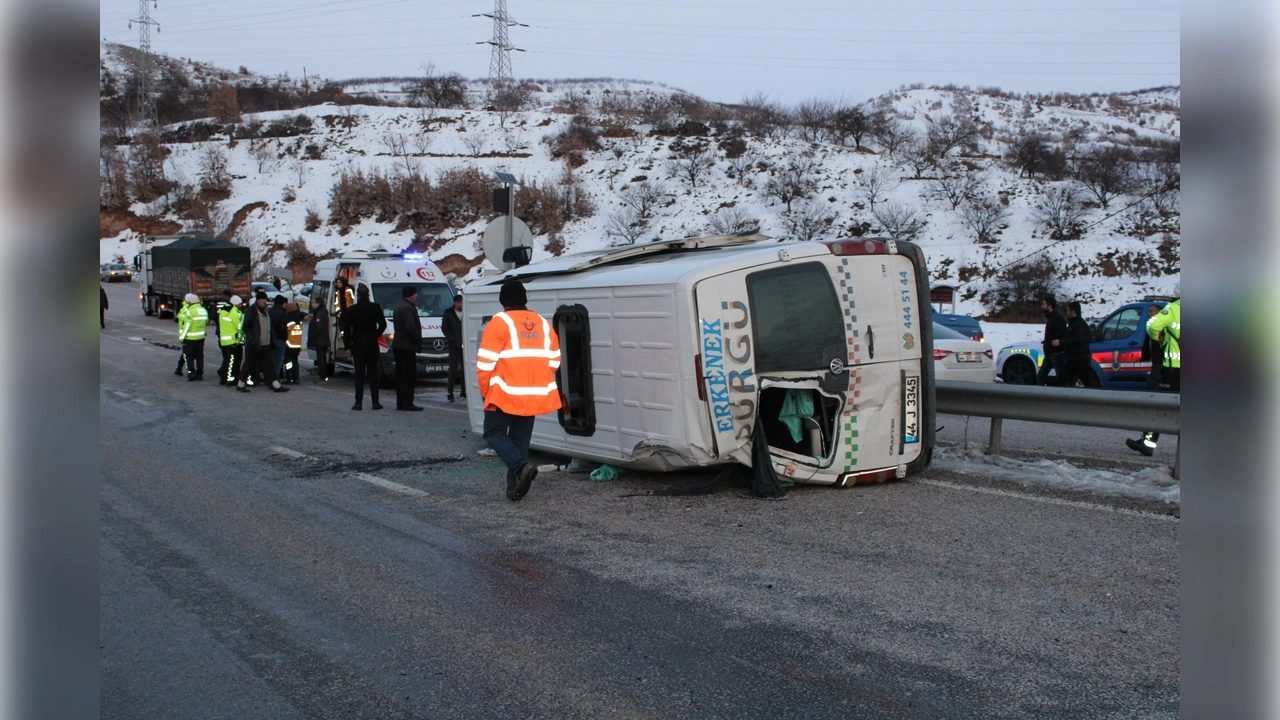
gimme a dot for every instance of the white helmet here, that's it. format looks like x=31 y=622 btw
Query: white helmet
x=192 y=298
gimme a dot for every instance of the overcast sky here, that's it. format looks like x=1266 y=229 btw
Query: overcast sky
x=855 y=49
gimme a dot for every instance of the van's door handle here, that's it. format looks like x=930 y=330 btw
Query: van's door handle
x=871 y=343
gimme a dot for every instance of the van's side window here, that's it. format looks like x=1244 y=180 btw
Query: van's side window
x=796 y=317
x=578 y=416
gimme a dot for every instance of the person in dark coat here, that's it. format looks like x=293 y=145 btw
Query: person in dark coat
x=362 y=324
x=1153 y=350
x=1055 y=328
x=1076 y=344
x=102 y=308
x=451 y=325
x=279 y=326
x=318 y=338
x=259 y=340
x=406 y=345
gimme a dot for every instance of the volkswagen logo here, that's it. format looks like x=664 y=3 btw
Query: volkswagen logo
x=837 y=366
x=438 y=345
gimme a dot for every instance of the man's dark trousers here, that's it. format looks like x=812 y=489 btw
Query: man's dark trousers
x=367 y=364
x=194 y=352
x=406 y=377
x=509 y=436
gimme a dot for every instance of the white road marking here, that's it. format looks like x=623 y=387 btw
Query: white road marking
x=365 y=477
x=1048 y=500
x=388 y=485
x=140 y=401
x=117 y=393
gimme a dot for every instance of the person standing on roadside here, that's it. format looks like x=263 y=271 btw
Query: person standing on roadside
x=1076 y=345
x=102 y=308
x=230 y=340
x=318 y=338
x=362 y=324
x=451 y=325
x=406 y=345
x=293 y=319
x=516 y=367
x=1153 y=350
x=192 y=320
x=278 y=327
x=1167 y=324
x=1055 y=328
x=259 y=339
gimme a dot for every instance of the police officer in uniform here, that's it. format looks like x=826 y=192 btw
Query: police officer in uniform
x=230 y=340
x=192 y=319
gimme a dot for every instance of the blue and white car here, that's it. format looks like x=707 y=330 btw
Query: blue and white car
x=1116 y=349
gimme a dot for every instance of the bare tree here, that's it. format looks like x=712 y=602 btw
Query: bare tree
x=983 y=215
x=422 y=143
x=643 y=196
x=206 y=218
x=625 y=226
x=1017 y=292
x=474 y=143
x=900 y=221
x=956 y=187
x=813 y=118
x=397 y=144
x=888 y=131
x=507 y=99
x=146 y=168
x=1030 y=153
x=262 y=153
x=792 y=182
x=732 y=221
x=654 y=109
x=299 y=168
x=1105 y=173
x=690 y=167
x=215 y=175
x=113 y=177
x=947 y=133
x=1060 y=210
x=917 y=155
x=762 y=117
x=849 y=123
x=741 y=165
x=810 y=221
x=436 y=90
x=874 y=183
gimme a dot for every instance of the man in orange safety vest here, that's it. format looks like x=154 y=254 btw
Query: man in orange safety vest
x=516 y=365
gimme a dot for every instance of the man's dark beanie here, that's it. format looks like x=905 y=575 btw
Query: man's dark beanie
x=280 y=300
x=512 y=294
x=262 y=295
x=408 y=291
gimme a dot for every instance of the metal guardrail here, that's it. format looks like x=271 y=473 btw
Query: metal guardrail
x=1123 y=410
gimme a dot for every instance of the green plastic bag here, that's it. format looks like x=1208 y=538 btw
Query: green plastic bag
x=604 y=473
x=797 y=405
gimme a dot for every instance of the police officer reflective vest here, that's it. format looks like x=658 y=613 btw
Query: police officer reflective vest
x=192 y=319
x=230 y=325
x=1169 y=322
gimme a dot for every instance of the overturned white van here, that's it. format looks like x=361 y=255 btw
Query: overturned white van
x=674 y=352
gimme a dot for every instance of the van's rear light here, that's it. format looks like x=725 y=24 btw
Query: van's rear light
x=867 y=478
x=1132 y=356
x=857 y=246
x=697 y=374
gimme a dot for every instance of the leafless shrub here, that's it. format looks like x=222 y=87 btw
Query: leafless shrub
x=812 y=118
x=146 y=168
x=956 y=187
x=792 y=182
x=474 y=143
x=874 y=183
x=262 y=153
x=762 y=117
x=690 y=167
x=313 y=221
x=732 y=221
x=625 y=226
x=1060 y=210
x=643 y=196
x=900 y=221
x=888 y=131
x=113 y=177
x=947 y=133
x=918 y=155
x=809 y=221
x=299 y=168
x=1105 y=172
x=742 y=165
x=215 y=175
x=983 y=215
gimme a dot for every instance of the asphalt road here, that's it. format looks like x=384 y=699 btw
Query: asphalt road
x=280 y=556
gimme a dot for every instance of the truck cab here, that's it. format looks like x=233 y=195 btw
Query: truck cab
x=385 y=274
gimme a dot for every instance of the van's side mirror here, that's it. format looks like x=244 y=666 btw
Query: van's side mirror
x=519 y=255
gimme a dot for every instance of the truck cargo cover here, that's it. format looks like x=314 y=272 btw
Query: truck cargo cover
x=191 y=252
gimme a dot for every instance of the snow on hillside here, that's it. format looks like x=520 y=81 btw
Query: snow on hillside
x=349 y=138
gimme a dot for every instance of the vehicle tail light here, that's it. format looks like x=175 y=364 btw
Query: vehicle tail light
x=942 y=354
x=857 y=246
x=1104 y=358
x=697 y=373
x=385 y=340
x=1132 y=356
x=987 y=352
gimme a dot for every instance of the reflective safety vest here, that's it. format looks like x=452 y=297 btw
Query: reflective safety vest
x=516 y=364
x=192 y=319
x=230 y=325
x=293 y=336
x=1169 y=322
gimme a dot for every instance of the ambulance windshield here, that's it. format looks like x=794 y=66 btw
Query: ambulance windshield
x=433 y=298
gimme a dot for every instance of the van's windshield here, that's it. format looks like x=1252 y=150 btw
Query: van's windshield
x=797 y=318
x=433 y=298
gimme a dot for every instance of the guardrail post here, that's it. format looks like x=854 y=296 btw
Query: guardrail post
x=993 y=442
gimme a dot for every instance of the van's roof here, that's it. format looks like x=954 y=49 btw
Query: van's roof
x=655 y=263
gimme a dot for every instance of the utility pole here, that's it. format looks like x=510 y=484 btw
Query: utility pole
x=500 y=61
x=146 y=102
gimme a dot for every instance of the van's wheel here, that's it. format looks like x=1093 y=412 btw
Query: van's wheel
x=1018 y=370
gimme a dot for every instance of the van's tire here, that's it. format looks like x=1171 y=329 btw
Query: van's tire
x=1018 y=370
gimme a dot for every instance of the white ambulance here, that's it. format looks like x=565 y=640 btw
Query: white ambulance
x=385 y=274
x=674 y=352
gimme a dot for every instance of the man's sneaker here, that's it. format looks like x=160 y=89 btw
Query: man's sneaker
x=511 y=495
x=450 y=398
x=524 y=478
x=1139 y=446
x=280 y=389
x=178 y=372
